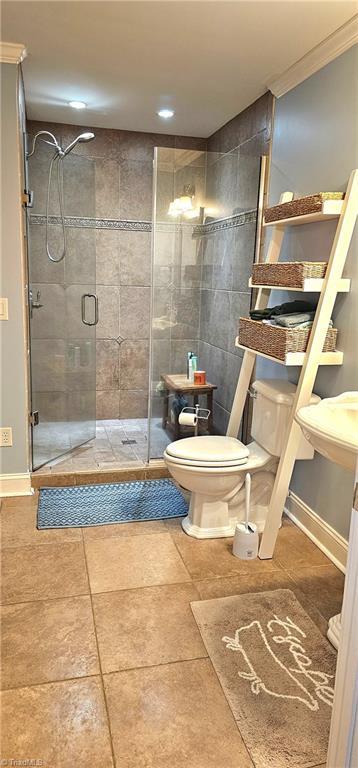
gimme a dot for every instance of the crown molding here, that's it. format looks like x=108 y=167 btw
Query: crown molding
x=12 y=53
x=338 y=42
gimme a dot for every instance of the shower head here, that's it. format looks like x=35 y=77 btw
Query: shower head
x=82 y=137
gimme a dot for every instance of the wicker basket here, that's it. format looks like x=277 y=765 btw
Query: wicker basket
x=289 y=275
x=301 y=206
x=276 y=342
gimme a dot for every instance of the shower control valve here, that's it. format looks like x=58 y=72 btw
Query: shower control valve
x=35 y=303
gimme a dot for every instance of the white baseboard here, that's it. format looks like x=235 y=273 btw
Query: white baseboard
x=321 y=533
x=16 y=485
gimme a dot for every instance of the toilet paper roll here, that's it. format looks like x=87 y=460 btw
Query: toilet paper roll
x=188 y=419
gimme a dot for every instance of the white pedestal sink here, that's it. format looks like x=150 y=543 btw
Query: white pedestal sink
x=332 y=428
x=334 y=630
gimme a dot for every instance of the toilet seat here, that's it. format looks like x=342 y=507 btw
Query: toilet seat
x=208 y=451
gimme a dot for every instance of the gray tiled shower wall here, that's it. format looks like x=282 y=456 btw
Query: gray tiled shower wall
x=203 y=287
x=228 y=255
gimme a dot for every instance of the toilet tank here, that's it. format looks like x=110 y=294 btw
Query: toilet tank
x=271 y=412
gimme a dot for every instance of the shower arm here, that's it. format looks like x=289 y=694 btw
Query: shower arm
x=52 y=144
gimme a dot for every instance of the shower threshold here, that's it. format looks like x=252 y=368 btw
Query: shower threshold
x=118 y=452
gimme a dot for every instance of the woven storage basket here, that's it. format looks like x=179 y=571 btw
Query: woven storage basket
x=275 y=341
x=301 y=206
x=289 y=275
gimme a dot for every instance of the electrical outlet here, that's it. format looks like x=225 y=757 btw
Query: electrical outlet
x=5 y=437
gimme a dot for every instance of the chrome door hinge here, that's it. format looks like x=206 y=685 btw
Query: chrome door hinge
x=27 y=198
x=34 y=418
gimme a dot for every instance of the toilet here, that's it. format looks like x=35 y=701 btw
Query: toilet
x=213 y=467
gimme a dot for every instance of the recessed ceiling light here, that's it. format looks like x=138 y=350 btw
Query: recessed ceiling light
x=166 y=113
x=77 y=104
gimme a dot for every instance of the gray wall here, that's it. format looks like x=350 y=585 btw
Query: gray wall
x=315 y=149
x=12 y=332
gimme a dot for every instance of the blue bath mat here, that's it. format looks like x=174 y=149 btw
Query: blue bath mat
x=84 y=505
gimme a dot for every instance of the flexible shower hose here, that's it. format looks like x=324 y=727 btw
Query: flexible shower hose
x=60 y=199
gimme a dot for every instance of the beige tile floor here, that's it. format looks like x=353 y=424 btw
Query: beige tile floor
x=109 y=449
x=102 y=661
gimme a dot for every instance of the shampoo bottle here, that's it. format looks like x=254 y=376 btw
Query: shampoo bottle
x=191 y=368
x=188 y=356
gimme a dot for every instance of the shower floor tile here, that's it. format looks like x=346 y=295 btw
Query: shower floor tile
x=108 y=450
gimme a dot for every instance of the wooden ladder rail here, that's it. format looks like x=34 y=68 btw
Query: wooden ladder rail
x=248 y=362
x=310 y=366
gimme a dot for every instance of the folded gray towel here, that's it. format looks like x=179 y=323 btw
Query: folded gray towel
x=294 y=321
x=290 y=321
x=309 y=323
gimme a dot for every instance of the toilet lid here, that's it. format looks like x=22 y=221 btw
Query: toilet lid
x=209 y=450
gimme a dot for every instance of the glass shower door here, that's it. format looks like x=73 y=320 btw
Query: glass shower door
x=179 y=179
x=203 y=247
x=63 y=308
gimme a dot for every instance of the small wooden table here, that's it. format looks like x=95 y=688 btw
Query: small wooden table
x=180 y=385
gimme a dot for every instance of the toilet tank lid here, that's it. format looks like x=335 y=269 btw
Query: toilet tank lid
x=279 y=391
x=210 y=448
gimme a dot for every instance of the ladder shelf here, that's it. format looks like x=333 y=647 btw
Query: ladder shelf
x=310 y=285
x=331 y=209
x=345 y=211
x=296 y=358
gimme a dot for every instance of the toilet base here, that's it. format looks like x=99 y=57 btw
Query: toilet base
x=213 y=518
x=214 y=533
x=208 y=518
x=206 y=533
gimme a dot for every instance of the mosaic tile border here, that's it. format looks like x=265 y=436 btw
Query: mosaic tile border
x=198 y=230
x=84 y=222
x=237 y=220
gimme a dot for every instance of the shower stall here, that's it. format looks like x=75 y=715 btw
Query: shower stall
x=202 y=246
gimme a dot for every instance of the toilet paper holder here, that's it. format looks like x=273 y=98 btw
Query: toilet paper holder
x=196 y=413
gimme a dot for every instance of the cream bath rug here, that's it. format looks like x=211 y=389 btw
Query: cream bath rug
x=277 y=672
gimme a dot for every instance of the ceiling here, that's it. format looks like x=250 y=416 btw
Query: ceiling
x=126 y=60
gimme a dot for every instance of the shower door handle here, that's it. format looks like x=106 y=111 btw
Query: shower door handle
x=83 y=308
